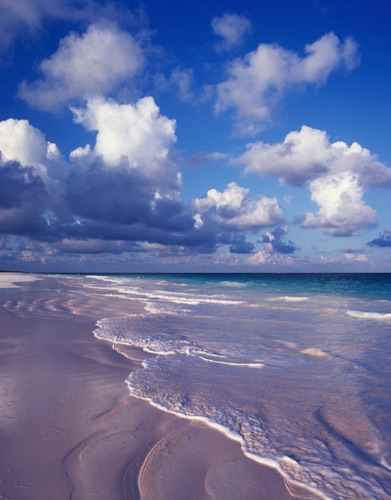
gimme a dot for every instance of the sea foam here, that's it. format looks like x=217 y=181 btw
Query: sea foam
x=294 y=388
x=369 y=315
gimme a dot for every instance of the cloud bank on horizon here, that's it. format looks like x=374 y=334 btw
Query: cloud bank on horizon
x=119 y=199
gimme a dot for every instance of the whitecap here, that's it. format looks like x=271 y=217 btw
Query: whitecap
x=369 y=315
x=288 y=298
x=233 y=284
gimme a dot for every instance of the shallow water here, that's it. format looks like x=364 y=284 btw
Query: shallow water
x=295 y=366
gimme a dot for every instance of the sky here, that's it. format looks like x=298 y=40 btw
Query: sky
x=209 y=136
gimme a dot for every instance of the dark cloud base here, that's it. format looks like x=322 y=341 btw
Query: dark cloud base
x=383 y=241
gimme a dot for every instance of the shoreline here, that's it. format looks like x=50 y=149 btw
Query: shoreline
x=70 y=429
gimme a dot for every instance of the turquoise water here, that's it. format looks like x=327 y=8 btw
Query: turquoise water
x=296 y=367
x=369 y=285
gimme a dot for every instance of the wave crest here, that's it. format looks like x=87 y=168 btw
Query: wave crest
x=369 y=315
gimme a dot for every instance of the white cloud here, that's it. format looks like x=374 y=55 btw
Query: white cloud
x=301 y=156
x=354 y=257
x=85 y=66
x=308 y=153
x=21 y=142
x=138 y=133
x=41 y=194
x=235 y=209
x=265 y=257
x=336 y=174
x=198 y=222
x=341 y=207
x=232 y=198
x=81 y=152
x=257 y=82
x=258 y=258
x=232 y=28
x=322 y=57
x=23 y=174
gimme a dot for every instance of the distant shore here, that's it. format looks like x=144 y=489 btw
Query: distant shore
x=70 y=429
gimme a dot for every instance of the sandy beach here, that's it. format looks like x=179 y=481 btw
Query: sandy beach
x=69 y=428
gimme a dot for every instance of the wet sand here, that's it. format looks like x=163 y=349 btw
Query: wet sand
x=69 y=428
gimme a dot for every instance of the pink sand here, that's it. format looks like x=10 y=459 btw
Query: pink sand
x=70 y=429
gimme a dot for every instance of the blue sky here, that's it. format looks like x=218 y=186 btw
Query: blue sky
x=208 y=136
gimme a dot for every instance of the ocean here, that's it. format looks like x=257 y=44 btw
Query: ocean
x=297 y=367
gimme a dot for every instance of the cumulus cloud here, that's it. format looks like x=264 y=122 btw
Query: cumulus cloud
x=85 y=66
x=126 y=183
x=124 y=187
x=383 y=240
x=274 y=241
x=307 y=154
x=232 y=28
x=336 y=174
x=257 y=82
x=341 y=207
x=30 y=164
x=136 y=133
x=234 y=208
x=302 y=155
x=23 y=143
